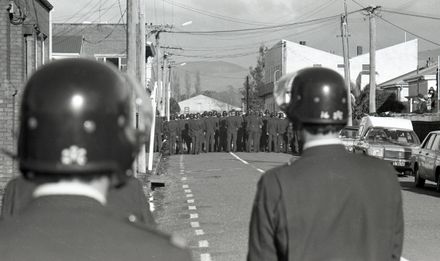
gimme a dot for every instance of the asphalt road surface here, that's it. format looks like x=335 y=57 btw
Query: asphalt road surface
x=207 y=201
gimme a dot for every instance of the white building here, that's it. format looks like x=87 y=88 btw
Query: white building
x=201 y=103
x=285 y=57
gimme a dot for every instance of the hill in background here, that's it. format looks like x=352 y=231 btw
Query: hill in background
x=218 y=79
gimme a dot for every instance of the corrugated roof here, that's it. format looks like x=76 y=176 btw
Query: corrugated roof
x=67 y=44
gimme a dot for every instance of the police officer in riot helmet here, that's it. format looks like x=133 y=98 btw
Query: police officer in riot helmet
x=76 y=141
x=345 y=214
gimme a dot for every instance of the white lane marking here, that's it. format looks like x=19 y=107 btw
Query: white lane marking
x=260 y=170
x=192 y=207
x=199 y=232
x=205 y=257
x=185 y=186
x=188 y=191
x=195 y=224
x=213 y=169
x=194 y=215
x=183 y=178
x=189 y=195
x=203 y=243
x=152 y=207
x=403 y=259
x=190 y=201
x=237 y=157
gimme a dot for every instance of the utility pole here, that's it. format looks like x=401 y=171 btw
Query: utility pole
x=140 y=56
x=169 y=92
x=437 y=104
x=247 y=94
x=164 y=99
x=132 y=20
x=155 y=94
x=157 y=29
x=372 y=18
x=345 y=50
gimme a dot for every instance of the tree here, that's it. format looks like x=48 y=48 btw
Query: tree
x=174 y=106
x=188 y=84
x=386 y=102
x=256 y=84
x=197 y=86
x=176 y=86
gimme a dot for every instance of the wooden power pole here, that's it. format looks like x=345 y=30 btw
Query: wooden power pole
x=372 y=18
x=136 y=62
x=345 y=50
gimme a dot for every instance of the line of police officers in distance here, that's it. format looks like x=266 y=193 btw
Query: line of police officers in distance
x=227 y=132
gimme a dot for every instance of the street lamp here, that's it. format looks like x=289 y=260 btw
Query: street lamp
x=187 y=23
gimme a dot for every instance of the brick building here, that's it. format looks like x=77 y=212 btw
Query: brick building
x=24 y=46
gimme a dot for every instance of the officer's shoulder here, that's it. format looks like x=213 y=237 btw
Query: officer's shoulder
x=172 y=240
x=271 y=176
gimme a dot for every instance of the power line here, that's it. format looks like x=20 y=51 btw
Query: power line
x=263 y=28
x=216 y=56
x=210 y=75
x=252 y=45
x=213 y=15
x=110 y=33
x=410 y=14
x=405 y=30
x=399 y=27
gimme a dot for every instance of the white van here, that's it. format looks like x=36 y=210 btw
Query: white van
x=388 y=138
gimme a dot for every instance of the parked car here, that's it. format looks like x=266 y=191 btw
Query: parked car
x=348 y=135
x=427 y=160
x=390 y=139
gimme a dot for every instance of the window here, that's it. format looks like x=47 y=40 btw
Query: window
x=428 y=143
x=119 y=62
x=365 y=67
x=341 y=65
x=435 y=145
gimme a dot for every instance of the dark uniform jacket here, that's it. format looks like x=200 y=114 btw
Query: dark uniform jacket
x=328 y=205
x=272 y=125
x=80 y=228
x=283 y=124
x=172 y=127
x=211 y=124
x=122 y=201
x=232 y=124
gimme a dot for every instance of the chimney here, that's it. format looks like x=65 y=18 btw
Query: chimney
x=358 y=50
x=302 y=42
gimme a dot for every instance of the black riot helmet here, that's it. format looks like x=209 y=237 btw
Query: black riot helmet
x=313 y=96
x=77 y=119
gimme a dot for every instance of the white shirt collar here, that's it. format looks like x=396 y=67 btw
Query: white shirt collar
x=69 y=188
x=321 y=142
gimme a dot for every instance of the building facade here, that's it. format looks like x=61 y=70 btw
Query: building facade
x=285 y=57
x=24 y=46
x=201 y=103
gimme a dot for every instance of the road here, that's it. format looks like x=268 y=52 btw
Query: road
x=207 y=200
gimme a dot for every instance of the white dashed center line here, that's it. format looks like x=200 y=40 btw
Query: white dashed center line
x=205 y=257
x=204 y=244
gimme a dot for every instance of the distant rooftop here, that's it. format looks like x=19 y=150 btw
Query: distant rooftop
x=67 y=44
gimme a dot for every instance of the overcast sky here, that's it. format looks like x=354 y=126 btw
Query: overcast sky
x=240 y=48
